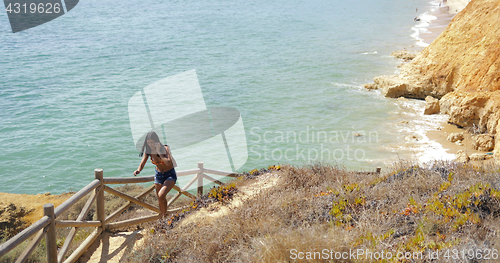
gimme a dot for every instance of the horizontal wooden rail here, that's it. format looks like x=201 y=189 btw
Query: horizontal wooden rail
x=76 y=197
x=187 y=172
x=142 y=179
x=210 y=171
x=72 y=223
x=25 y=234
x=134 y=221
x=129 y=180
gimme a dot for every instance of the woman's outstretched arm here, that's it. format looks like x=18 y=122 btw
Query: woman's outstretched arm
x=141 y=166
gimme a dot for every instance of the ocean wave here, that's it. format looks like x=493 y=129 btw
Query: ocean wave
x=424 y=20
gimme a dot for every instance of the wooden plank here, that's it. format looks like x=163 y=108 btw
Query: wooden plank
x=188 y=172
x=190 y=183
x=131 y=199
x=25 y=234
x=184 y=192
x=67 y=242
x=200 y=179
x=72 y=232
x=212 y=179
x=134 y=221
x=210 y=171
x=100 y=212
x=31 y=247
x=50 y=237
x=84 y=246
x=71 y=223
x=143 y=179
x=127 y=205
x=172 y=200
x=76 y=197
x=129 y=180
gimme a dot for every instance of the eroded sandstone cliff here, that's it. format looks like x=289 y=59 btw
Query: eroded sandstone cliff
x=461 y=68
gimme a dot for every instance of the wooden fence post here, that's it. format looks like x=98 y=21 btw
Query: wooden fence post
x=50 y=238
x=200 y=179
x=100 y=197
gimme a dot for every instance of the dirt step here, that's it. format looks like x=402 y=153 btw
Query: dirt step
x=112 y=247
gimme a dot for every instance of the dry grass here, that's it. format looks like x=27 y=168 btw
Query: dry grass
x=413 y=209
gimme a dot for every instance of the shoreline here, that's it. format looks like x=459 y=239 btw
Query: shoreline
x=428 y=141
x=433 y=21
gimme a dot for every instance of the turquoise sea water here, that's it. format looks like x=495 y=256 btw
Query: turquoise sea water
x=289 y=67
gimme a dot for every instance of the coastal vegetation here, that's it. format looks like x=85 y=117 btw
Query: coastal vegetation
x=434 y=210
x=443 y=211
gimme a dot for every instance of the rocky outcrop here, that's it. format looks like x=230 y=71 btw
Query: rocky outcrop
x=393 y=86
x=11 y=220
x=461 y=157
x=477 y=156
x=431 y=106
x=483 y=142
x=455 y=137
x=370 y=86
x=405 y=55
x=461 y=68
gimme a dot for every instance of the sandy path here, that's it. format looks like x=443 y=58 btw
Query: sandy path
x=216 y=210
x=113 y=246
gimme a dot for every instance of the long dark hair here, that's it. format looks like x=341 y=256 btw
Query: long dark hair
x=145 y=147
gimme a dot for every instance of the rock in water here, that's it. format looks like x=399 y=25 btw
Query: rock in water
x=370 y=86
x=432 y=105
x=456 y=136
x=405 y=55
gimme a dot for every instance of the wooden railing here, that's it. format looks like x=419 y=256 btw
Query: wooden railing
x=46 y=226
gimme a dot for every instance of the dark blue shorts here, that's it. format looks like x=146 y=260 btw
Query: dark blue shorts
x=160 y=177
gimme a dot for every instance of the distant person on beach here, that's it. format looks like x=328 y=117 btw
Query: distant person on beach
x=165 y=176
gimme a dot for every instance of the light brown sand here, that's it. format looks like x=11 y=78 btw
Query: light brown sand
x=440 y=136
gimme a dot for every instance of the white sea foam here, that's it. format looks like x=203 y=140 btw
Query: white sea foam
x=369 y=53
x=422 y=28
x=417 y=141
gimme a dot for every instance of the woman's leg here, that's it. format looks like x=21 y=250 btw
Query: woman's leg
x=161 y=192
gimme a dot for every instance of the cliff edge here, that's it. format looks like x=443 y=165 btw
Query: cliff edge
x=461 y=68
